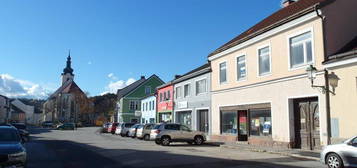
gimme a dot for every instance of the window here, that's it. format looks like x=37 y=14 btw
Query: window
x=301 y=50
x=142 y=106
x=137 y=104
x=132 y=105
x=160 y=97
x=187 y=90
x=165 y=98
x=229 y=122
x=260 y=122
x=147 y=90
x=264 y=60
x=152 y=120
x=201 y=86
x=222 y=72
x=150 y=105
x=178 y=92
x=172 y=127
x=241 y=68
x=168 y=95
x=185 y=128
x=146 y=106
x=153 y=105
x=184 y=118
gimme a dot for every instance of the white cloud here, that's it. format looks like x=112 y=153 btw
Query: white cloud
x=115 y=84
x=12 y=87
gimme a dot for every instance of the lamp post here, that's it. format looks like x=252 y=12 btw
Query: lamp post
x=330 y=80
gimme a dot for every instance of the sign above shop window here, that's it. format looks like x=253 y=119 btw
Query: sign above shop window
x=182 y=104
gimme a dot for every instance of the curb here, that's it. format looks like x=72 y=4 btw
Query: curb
x=274 y=152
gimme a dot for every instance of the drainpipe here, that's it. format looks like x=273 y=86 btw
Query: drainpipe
x=327 y=93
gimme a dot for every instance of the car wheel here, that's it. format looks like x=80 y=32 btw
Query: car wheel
x=146 y=137
x=157 y=141
x=334 y=161
x=127 y=134
x=165 y=141
x=198 y=140
x=122 y=135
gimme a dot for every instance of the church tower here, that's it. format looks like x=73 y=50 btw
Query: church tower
x=67 y=74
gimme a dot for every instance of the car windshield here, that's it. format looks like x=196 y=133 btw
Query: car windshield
x=9 y=135
x=140 y=126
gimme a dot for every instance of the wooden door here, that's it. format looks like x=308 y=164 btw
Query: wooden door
x=307 y=125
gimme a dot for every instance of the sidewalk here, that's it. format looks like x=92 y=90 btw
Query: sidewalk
x=297 y=153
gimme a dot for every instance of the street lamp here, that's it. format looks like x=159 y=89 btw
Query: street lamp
x=332 y=79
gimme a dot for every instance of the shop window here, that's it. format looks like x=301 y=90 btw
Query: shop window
x=152 y=120
x=260 y=122
x=184 y=118
x=229 y=122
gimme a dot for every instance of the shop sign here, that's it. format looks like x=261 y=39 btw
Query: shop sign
x=182 y=104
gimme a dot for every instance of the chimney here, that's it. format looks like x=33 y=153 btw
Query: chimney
x=142 y=77
x=177 y=76
x=286 y=3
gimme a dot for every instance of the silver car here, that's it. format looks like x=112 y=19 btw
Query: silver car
x=340 y=155
x=167 y=133
x=123 y=129
x=133 y=130
x=145 y=131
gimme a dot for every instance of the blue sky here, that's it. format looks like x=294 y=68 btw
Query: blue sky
x=113 y=42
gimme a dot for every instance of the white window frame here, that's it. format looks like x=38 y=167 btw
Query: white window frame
x=200 y=79
x=258 y=56
x=290 y=68
x=176 y=96
x=147 y=87
x=189 y=89
x=219 y=72
x=246 y=67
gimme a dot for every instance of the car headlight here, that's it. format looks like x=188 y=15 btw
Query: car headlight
x=17 y=156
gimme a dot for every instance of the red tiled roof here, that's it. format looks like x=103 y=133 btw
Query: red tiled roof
x=276 y=19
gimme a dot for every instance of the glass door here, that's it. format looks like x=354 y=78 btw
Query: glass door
x=243 y=125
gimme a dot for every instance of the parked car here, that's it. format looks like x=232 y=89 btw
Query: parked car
x=144 y=132
x=113 y=127
x=123 y=129
x=340 y=155
x=21 y=127
x=12 y=151
x=67 y=126
x=105 y=127
x=133 y=130
x=167 y=133
x=47 y=124
x=109 y=127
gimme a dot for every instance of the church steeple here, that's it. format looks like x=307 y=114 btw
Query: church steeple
x=67 y=74
x=68 y=68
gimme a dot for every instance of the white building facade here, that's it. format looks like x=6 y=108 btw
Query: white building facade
x=148 y=110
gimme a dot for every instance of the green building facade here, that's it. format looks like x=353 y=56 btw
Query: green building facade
x=129 y=98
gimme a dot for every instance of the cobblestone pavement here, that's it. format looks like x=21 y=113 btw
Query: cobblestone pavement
x=87 y=147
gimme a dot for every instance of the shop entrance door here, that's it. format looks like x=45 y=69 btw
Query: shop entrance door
x=203 y=121
x=307 y=125
x=242 y=125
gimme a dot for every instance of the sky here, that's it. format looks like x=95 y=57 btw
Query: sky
x=113 y=42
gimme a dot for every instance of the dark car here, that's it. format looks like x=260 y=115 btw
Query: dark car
x=67 y=126
x=47 y=124
x=12 y=152
x=21 y=127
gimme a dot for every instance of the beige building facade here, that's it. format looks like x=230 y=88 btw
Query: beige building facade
x=260 y=90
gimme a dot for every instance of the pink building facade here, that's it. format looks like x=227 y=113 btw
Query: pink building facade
x=165 y=102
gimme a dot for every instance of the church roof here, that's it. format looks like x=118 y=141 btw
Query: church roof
x=68 y=87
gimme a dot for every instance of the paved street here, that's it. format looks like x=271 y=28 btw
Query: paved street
x=86 y=147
